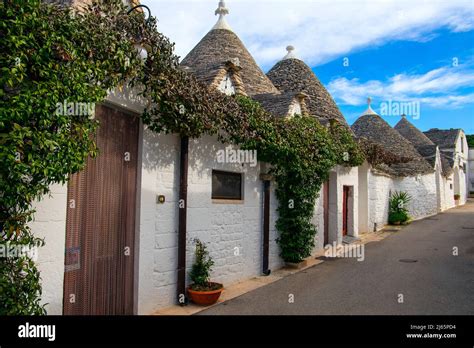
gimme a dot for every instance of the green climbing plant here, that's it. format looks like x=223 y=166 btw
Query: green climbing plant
x=301 y=152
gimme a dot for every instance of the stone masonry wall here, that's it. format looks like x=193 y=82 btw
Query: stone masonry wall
x=232 y=231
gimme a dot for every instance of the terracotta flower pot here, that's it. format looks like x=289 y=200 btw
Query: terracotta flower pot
x=205 y=298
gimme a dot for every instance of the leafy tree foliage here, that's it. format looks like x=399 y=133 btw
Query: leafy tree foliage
x=470 y=140
x=301 y=152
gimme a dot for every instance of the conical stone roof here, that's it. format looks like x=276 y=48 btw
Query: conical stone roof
x=293 y=75
x=444 y=138
x=220 y=46
x=411 y=133
x=424 y=145
x=375 y=129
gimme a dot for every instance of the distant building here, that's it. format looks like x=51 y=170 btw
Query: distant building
x=416 y=176
x=453 y=145
x=439 y=162
x=471 y=170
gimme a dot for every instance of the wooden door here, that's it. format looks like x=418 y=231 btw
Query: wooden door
x=345 y=205
x=100 y=225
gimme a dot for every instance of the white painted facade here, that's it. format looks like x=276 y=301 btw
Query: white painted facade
x=422 y=189
x=447 y=189
x=471 y=170
x=318 y=221
x=339 y=177
x=380 y=186
x=459 y=153
x=50 y=223
x=346 y=176
x=375 y=189
x=233 y=231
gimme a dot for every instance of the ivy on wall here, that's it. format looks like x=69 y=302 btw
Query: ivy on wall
x=301 y=152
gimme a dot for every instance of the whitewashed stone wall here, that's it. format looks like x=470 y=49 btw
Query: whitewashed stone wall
x=463 y=188
x=50 y=223
x=460 y=154
x=318 y=221
x=158 y=223
x=448 y=192
x=232 y=231
x=338 y=178
x=363 y=204
x=347 y=177
x=439 y=182
x=471 y=170
x=380 y=187
x=422 y=189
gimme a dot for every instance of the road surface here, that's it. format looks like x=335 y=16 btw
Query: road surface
x=439 y=282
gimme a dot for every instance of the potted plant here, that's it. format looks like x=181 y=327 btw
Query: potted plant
x=202 y=291
x=398 y=211
x=396 y=218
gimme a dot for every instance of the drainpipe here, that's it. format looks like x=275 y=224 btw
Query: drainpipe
x=266 y=223
x=182 y=205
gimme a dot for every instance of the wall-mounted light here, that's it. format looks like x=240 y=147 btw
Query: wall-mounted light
x=141 y=50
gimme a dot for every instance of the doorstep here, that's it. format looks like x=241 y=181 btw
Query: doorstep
x=240 y=288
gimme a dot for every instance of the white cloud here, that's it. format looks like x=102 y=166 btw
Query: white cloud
x=320 y=30
x=437 y=87
x=453 y=101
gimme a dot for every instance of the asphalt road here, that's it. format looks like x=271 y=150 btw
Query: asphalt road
x=437 y=283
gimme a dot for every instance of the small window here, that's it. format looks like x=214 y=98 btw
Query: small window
x=227 y=86
x=226 y=185
x=295 y=108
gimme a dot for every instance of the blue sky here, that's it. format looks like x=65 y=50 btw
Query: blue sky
x=410 y=52
x=451 y=51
